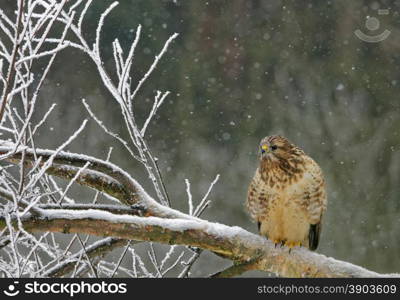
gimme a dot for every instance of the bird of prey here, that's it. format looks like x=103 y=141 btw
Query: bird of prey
x=287 y=196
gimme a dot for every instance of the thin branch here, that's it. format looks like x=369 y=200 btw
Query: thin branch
x=11 y=68
x=152 y=67
x=189 y=264
x=203 y=203
x=120 y=259
x=84 y=251
x=173 y=265
x=109 y=132
x=189 y=194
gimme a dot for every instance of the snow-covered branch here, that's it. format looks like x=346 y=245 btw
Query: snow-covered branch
x=99 y=174
x=173 y=227
x=231 y=242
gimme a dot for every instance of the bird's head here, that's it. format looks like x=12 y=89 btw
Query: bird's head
x=276 y=147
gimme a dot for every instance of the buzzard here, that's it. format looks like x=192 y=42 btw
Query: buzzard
x=287 y=196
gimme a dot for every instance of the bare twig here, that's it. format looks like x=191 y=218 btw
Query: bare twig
x=11 y=68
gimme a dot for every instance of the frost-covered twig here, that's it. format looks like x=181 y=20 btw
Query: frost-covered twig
x=190 y=262
x=11 y=69
x=71 y=182
x=121 y=258
x=189 y=194
x=96 y=250
x=203 y=203
x=153 y=259
x=157 y=103
x=109 y=132
x=197 y=213
x=84 y=252
x=174 y=264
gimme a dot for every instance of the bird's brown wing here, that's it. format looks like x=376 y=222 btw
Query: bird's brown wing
x=257 y=199
x=316 y=201
x=252 y=203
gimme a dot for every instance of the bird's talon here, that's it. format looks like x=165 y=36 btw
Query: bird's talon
x=276 y=242
x=291 y=245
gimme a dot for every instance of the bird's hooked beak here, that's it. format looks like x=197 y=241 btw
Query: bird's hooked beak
x=264 y=149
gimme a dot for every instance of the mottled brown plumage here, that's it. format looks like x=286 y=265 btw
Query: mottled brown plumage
x=287 y=195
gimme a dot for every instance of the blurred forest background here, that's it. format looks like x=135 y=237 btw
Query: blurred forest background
x=241 y=70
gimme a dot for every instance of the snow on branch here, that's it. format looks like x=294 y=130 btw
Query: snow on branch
x=173 y=227
x=100 y=175
x=231 y=242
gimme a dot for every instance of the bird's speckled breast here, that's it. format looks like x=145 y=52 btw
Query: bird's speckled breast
x=286 y=216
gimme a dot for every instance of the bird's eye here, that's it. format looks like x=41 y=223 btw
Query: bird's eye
x=274 y=147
